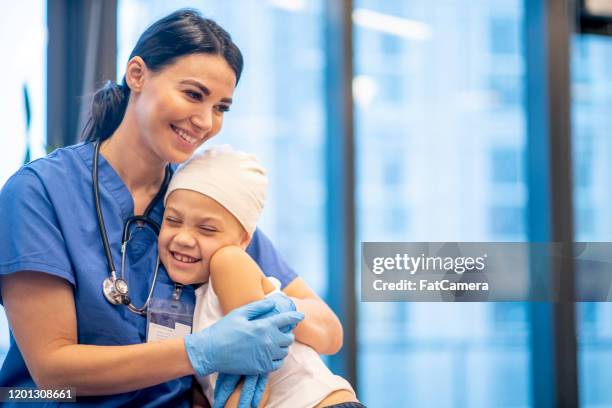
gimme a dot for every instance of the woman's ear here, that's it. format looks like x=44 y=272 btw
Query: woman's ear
x=135 y=73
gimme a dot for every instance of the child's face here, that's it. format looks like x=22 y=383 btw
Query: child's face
x=194 y=227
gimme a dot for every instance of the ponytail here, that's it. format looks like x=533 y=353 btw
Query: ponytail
x=107 y=110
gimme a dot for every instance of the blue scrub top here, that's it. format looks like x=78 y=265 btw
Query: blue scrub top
x=49 y=225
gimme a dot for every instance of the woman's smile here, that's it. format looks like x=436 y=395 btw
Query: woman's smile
x=184 y=135
x=185 y=141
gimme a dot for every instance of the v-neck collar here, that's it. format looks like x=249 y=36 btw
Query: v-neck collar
x=109 y=178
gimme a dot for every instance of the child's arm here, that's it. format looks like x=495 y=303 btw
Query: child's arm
x=320 y=328
x=237 y=280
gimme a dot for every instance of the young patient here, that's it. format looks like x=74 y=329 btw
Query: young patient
x=212 y=206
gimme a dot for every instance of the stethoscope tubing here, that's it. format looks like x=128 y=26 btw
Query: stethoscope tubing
x=101 y=224
x=123 y=298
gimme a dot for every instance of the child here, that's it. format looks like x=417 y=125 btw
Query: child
x=212 y=206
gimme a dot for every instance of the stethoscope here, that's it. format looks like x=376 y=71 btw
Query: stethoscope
x=116 y=289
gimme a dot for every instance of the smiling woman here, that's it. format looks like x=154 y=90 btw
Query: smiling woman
x=179 y=81
x=171 y=112
x=183 y=89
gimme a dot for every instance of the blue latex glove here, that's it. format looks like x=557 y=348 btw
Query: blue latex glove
x=254 y=385
x=260 y=388
x=225 y=385
x=283 y=303
x=238 y=344
x=253 y=388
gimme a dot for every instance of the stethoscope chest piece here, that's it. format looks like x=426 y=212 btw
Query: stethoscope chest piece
x=116 y=291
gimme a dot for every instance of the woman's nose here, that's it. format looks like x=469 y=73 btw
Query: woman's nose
x=204 y=119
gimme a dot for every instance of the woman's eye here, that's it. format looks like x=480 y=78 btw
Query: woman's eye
x=223 y=108
x=194 y=95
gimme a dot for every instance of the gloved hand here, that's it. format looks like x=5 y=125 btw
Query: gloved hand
x=283 y=303
x=253 y=388
x=260 y=388
x=254 y=385
x=238 y=344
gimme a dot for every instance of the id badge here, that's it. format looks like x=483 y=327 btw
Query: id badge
x=168 y=319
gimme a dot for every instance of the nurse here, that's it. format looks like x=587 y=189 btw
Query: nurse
x=178 y=85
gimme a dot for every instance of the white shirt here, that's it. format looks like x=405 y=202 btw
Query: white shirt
x=302 y=381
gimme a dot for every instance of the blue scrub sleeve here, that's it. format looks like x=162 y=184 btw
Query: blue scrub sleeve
x=269 y=260
x=30 y=237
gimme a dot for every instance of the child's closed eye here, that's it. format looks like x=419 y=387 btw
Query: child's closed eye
x=172 y=221
x=208 y=229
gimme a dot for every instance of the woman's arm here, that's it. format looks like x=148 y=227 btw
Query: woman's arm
x=321 y=328
x=41 y=312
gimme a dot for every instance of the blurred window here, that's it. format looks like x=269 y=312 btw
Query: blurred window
x=450 y=159
x=23 y=43
x=592 y=149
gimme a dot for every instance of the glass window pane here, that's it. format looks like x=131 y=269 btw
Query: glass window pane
x=277 y=112
x=440 y=128
x=24 y=70
x=591 y=107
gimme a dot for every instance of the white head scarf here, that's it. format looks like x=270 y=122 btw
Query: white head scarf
x=233 y=178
